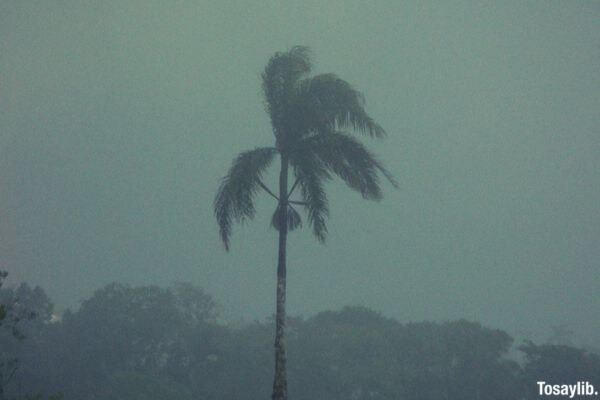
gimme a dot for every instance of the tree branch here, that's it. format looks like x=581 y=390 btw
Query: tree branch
x=293 y=187
x=300 y=203
x=262 y=185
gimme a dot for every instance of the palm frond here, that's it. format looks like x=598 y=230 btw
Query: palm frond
x=234 y=200
x=349 y=159
x=328 y=101
x=311 y=173
x=309 y=116
x=293 y=218
x=280 y=79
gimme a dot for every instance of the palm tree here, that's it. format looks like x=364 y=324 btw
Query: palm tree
x=308 y=116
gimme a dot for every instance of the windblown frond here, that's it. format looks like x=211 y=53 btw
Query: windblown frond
x=311 y=174
x=293 y=218
x=328 y=101
x=280 y=79
x=350 y=160
x=234 y=200
x=309 y=116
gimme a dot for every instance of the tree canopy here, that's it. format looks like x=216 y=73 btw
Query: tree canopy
x=352 y=353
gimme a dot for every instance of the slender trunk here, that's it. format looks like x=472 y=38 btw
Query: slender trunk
x=280 y=380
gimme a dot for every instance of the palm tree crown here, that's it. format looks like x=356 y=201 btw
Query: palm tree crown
x=309 y=117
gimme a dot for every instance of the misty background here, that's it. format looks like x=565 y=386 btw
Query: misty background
x=118 y=119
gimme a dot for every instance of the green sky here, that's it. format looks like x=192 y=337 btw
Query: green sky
x=118 y=118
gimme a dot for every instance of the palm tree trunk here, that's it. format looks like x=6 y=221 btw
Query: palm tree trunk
x=280 y=380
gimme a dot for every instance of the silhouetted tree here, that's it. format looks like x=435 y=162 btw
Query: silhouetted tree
x=358 y=354
x=16 y=307
x=309 y=116
x=125 y=333
x=557 y=364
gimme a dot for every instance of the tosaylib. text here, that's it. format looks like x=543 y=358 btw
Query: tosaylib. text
x=582 y=388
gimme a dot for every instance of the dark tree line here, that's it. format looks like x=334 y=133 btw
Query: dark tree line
x=21 y=309
x=167 y=343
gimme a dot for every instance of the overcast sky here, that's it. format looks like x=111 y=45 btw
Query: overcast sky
x=118 y=118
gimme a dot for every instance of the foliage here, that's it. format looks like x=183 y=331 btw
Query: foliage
x=161 y=343
x=3 y=275
x=558 y=364
x=37 y=396
x=234 y=199
x=17 y=310
x=310 y=117
x=356 y=353
x=121 y=332
x=139 y=386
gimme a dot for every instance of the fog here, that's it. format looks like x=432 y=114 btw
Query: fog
x=119 y=118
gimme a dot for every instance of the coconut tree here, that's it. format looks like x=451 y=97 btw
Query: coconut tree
x=309 y=117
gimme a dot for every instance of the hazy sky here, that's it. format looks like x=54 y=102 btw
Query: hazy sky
x=118 y=118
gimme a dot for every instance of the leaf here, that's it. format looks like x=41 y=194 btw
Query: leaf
x=235 y=197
